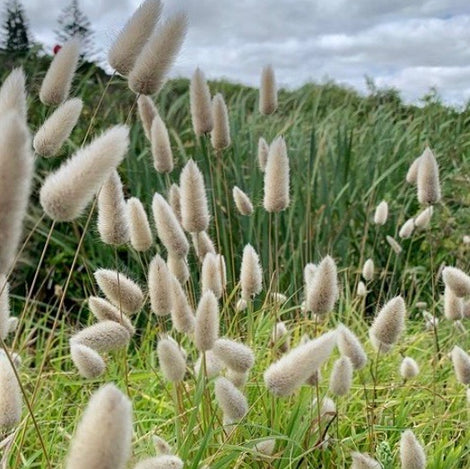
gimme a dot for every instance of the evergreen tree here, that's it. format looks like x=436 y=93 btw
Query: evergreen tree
x=74 y=23
x=15 y=28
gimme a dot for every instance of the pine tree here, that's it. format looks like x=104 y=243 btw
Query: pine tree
x=74 y=23
x=16 y=37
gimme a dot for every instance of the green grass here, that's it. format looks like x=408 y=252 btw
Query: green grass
x=347 y=153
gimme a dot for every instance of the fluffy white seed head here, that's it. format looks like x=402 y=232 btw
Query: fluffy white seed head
x=407 y=229
x=412 y=454
x=13 y=94
x=166 y=461
x=172 y=360
x=4 y=307
x=168 y=227
x=161 y=445
x=423 y=219
x=429 y=189
x=241 y=305
x=123 y=292
x=67 y=191
x=409 y=368
x=206 y=330
x=213 y=365
x=397 y=249
x=211 y=275
x=201 y=105
x=277 y=298
x=55 y=87
x=238 y=379
x=13 y=322
x=412 y=174
x=381 y=213
x=140 y=233
x=232 y=402
x=267 y=91
x=453 y=305
x=234 y=355
x=323 y=291
x=154 y=61
x=350 y=346
x=361 y=289
x=182 y=315
x=309 y=274
x=105 y=311
x=220 y=135
x=242 y=201
x=368 y=270
x=263 y=152
x=160 y=286
x=251 y=275
x=102 y=336
x=276 y=177
x=341 y=376
x=327 y=408
x=89 y=363
x=10 y=397
x=364 y=461
x=16 y=171
x=103 y=436
x=194 y=208
x=266 y=447
x=174 y=199
x=113 y=221
x=57 y=128
x=283 y=377
x=461 y=362
x=147 y=112
x=133 y=36
x=388 y=325
x=161 y=147
x=178 y=266
x=280 y=337
x=457 y=280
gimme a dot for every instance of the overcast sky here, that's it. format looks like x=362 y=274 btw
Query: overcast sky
x=409 y=44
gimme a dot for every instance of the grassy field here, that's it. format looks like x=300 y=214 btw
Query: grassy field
x=347 y=153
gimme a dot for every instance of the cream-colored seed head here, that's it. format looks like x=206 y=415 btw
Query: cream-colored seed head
x=280 y=337
x=242 y=201
x=364 y=461
x=327 y=408
x=388 y=325
x=172 y=360
x=147 y=112
x=341 y=376
x=206 y=330
x=407 y=229
x=89 y=363
x=105 y=311
x=220 y=135
x=182 y=315
x=13 y=94
x=283 y=377
x=161 y=445
x=232 y=402
x=16 y=171
x=161 y=147
x=211 y=276
x=276 y=177
x=154 y=61
x=267 y=91
x=4 y=307
x=396 y=248
x=234 y=355
x=174 y=199
x=381 y=213
x=368 y=270
x=350 y=346
x=323 y=291
x=10 y=397
x=123 y=292
x=113 y=221
x=56 y=129
x=263 y=152
x=213 y=365
x=66 y=192
x=361 y=289
x=201 y=106
x=412 y=174
x=103 y=436
x=412 y=454
x=55 y=87
x=178 y=266
x=102 y=336
x=237 y=378
x=13 y=322
x=453 y=305
x=423 y=218
x=309 y=274
x=166 y=461
x=140 y=233
x=409 y=368
x=160 y=286
x=429 y=189
x=194 y=208
x=457 y=280
x=266 y=447
x=251 y=275
x=241 y=305
x=461 y=362
x=168 y=227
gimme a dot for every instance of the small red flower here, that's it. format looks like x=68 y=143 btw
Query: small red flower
x=57 y=48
